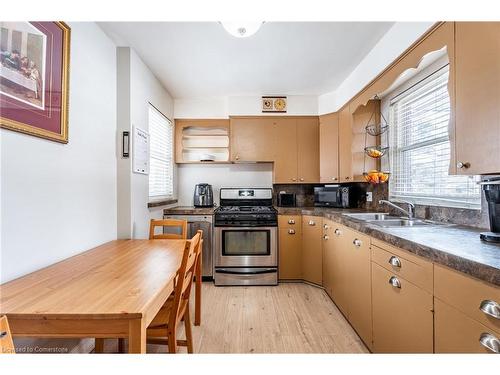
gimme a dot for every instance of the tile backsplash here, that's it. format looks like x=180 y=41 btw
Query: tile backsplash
x=474 y=218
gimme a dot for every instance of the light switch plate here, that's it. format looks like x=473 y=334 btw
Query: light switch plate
x=369 y=196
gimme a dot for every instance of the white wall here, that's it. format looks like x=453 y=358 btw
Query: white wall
x=389 y=47
x=223 y=107
x=58 y=200
x=221 y=175
x=138 y=88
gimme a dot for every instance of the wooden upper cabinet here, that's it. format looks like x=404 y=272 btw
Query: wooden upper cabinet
x=308 y=150
x=252 y=139
x=345 y=145
x=285 y=151
x=369 y=113
x=477 y=109
x=329 y=148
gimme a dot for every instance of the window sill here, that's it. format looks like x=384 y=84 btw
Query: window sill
x=161 y=202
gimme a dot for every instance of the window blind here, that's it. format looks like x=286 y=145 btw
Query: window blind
x=161 y=155
x=420 y=147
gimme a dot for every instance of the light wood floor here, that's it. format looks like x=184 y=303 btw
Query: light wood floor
x=289 y=318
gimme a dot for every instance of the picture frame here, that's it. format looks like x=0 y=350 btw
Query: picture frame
x=34 y=78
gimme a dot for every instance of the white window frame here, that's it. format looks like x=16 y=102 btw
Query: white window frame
x=166 y=160
x=407 y=87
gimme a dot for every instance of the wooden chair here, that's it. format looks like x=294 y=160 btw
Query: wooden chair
x=6 y=343
x=163 y=328
x=182 y=224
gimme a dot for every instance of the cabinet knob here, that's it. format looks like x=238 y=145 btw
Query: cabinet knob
x=394 y=281
x=490 y=308
x=357 y=242
x=337 y=232
x=334 y=178
x=325 y=226
x=395 y=262
x=326 y=237
x=461 y=165
x=312 y=223
x=490 y=342
x=291 y=221
x=294 y=179
x=3 y=334
x=347 y=178
x=237 y=157
x=301 y=179
x=291 y=231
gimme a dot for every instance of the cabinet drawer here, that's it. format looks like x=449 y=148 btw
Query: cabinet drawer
x=455 y=332
x=400 y=263
x=290 y=221
x=468 y=295
x=402 y=314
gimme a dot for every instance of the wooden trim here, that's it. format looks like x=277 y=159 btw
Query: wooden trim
x=274 y=116
x=162 y=202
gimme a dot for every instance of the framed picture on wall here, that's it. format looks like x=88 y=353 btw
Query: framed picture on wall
x=34 y=74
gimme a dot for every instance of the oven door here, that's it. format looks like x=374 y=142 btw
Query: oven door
x=246 y=247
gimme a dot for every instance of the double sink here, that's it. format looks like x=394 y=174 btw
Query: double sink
x=389 y=221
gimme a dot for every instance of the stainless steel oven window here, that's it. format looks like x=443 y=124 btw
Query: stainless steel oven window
x=246 y=242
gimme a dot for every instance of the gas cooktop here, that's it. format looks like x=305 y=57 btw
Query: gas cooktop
x=245 y=209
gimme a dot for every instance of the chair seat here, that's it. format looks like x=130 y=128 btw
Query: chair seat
x=162 y=317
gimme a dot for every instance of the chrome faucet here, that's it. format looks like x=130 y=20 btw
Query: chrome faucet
x=411 y=207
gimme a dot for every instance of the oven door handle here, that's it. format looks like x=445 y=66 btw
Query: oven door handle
x=235 y=271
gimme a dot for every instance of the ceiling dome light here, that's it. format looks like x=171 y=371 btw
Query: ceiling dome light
x=242 y=29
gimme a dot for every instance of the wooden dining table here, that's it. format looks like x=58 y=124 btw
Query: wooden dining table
x=112 y=291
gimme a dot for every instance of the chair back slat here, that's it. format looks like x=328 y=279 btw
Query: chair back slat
x=6 y=343
x=185 y=278
x=169 y=223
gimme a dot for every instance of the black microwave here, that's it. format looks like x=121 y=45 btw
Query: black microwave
x=338 y=196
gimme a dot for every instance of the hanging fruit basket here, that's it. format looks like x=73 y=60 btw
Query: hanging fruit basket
x=376 y=129
x=376 y=152
x=376 y=177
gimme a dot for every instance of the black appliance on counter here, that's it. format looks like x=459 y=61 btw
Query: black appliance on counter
x=203 y=196
x=286 y=199
x=338 y=196
x=246 y=238
x=491 y=190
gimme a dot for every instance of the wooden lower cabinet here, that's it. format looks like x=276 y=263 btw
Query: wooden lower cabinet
x=290 y=247
x=328 y=252
x=312 y=255
x=455 y=332
x=402 y=317
x=339 y=272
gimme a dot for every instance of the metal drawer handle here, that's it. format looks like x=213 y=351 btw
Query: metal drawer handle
x=490 y=342
x=337 y=232
x=326 y=237
x=291 y=221
x=357 y=242
x=395 y=262
x=490 y=308
x=3 y=334
x=394 y=281
x=291 y=231
x=311 y=223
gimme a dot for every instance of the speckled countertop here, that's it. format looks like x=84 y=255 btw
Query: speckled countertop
x=454 y=246
x=188 y=210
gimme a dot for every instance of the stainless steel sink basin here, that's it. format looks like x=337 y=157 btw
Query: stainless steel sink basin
x=400 y=223
x=372 y=216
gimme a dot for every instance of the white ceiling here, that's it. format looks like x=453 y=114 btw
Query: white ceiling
x=200 y=59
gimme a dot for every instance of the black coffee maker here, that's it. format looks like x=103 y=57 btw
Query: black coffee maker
x=491 y=190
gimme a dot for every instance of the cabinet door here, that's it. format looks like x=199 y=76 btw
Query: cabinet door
x=402 y=317
x=340 y=270
x=359 y=283
x=329 y=148
x=252 y=139
x=285 y=151
x=455 y=332
x=312 y=256
x=308 y=150
x=345 y=145
x=290 y=254
x=328 y=263
x=477 y=84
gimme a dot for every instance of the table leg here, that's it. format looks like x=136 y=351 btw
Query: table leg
x=136 y=337
x=197 y=293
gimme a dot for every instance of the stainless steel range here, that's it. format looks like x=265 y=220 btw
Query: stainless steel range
x=246 y=239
